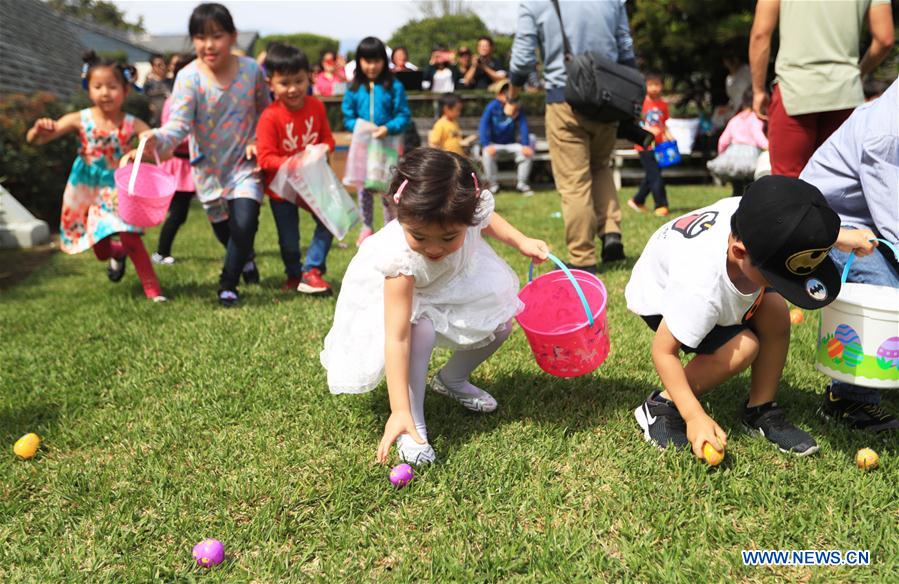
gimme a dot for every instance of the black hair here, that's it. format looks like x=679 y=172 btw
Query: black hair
x=321 y=56
x=654 y=76
x=399 y=48
x=735 y=231
x=746 y=99
x=448 y=100
x=207 y=17
x=486 y=38
x=155 y=56
x=92 y=61
x=183 y=61
x=874 y=87
x=372 y=49
x=284 y=59
x=441 y=188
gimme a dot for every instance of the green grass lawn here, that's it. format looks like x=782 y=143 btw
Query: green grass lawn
x=166 y=424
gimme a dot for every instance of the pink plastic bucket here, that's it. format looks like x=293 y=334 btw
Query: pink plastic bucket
x=144 y=192
x=564 y=320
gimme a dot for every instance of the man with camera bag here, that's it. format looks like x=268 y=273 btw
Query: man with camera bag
x=580 y=130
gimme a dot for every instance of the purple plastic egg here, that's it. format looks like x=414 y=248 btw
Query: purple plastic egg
x=209 y=552
x=400 y=475
x=889 y=351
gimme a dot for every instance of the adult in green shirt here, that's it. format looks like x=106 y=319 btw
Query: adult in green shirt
x=818 y=74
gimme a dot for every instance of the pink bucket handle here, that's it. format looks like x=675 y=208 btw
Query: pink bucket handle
x=137 y=159
x=851 y=257
x=577 y=287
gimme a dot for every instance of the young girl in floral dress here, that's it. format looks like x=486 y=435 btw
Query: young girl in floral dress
x=90 y=202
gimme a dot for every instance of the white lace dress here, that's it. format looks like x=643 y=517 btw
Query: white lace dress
x=466 y=295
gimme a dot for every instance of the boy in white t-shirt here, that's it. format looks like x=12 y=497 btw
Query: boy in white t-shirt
x=713 y=282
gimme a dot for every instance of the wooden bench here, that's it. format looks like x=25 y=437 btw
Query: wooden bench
x=541 y=174
x=627 y=168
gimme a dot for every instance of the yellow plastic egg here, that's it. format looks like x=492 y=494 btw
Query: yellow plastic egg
x=866 y=459
x=26 y=446
x=711 y=455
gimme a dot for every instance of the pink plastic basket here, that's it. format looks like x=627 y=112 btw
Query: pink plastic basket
x=144 y=191
x=564 y=320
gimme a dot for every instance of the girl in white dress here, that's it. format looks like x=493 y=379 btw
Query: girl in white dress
x=425 y=280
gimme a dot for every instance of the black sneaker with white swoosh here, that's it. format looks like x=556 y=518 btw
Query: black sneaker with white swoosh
x=770 y=421
x=661 y=423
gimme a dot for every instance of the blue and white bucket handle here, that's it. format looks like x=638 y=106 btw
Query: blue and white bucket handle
x=852 y=256
x=574 y=283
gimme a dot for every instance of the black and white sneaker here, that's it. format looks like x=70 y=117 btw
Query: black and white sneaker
x=525 y=190
x=228 y=298
x=857 y=415
x=661 y=423
x=161 y=260
x=250 y=272
x=116 y=269
x=770 y=421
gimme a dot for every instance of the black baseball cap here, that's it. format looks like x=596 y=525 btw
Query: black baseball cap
x=788 y=230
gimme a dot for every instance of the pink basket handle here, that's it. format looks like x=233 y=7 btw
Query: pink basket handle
x=577 y=287
x=137 y=159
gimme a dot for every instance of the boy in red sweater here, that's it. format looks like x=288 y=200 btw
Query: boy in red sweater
x=292 y=122
x=655 y=115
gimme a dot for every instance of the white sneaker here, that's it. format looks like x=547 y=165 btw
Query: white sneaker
x=162 y=260
x=159 y=298
x=494 y=188
x=525 y=190
x=414 y=453
x=479 y=402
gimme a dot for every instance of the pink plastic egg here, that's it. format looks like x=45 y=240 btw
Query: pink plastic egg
x=889 y=352
x=400 y=475
x=209 y=552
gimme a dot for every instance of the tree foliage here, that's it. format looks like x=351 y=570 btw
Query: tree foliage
x=422 y=36
x=440 y=8
x=101 y=12
x=312 y=45
x=688 y=39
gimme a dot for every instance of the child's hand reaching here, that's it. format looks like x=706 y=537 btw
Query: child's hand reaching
x=398 y=423
x=702 y=429
x=535 y=249
x=379 y=132
x=45 y=126
x=856 y=240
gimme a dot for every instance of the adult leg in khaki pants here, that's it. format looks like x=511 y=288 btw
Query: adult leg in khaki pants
x=580 y=151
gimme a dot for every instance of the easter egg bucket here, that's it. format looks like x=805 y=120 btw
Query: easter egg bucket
x=858 y=336
x=144 y=191
x=564 y=320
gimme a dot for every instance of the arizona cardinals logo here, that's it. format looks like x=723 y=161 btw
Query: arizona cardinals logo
x=804 y=262
x=695 y=224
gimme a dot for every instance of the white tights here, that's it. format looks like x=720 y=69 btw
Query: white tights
x=454 y=374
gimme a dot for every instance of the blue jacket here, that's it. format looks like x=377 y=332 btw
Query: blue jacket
x=390 y=107
x=599 y=26
x=498 y=128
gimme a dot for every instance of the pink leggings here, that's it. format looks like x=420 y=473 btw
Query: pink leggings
x=130 y=245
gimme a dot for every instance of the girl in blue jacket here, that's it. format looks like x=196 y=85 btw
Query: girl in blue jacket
x=375 y=96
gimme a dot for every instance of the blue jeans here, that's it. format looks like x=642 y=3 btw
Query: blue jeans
x=873 y=269
x=287 y=220
x=242 y=223
x=652 y=181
